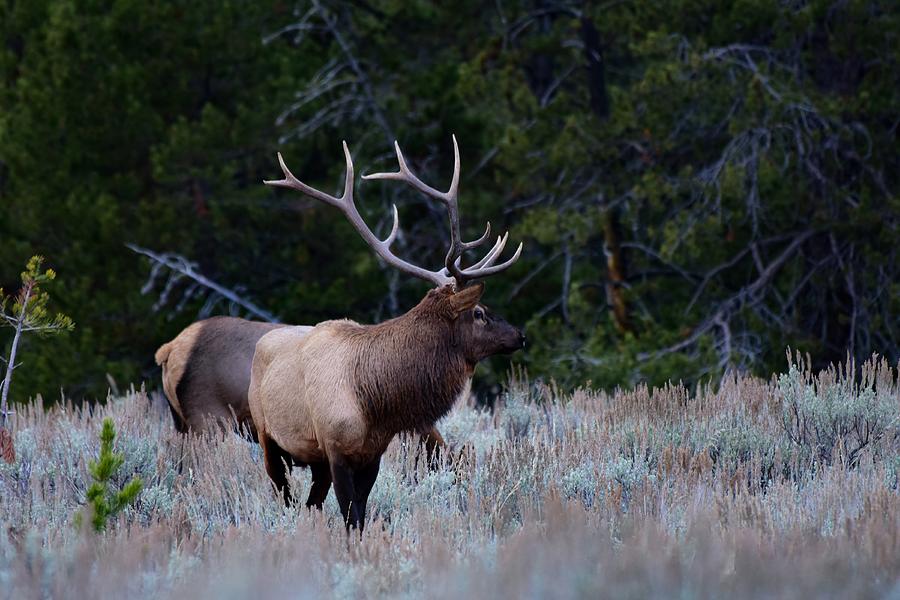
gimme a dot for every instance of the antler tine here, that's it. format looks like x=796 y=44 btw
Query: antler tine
x=488 y=258
x=394 y=229
x=292 y=182
x=347 y=206
x=473 y=273
x=454 y=183
x=479 y=241
x=404 y=174
x=491 y=257
x=453 y=261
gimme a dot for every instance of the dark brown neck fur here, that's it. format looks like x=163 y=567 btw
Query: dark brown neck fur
x=407 y=371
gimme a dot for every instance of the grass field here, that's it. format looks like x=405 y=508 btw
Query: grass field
x=754 y=488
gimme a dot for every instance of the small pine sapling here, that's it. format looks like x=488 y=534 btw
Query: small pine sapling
x=27 y=314
x=104 y=500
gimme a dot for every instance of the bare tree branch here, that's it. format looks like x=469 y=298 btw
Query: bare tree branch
x=362 y=77
x=748 y=295
x=183 y=267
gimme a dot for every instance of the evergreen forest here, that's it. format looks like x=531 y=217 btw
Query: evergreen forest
x=698 y=185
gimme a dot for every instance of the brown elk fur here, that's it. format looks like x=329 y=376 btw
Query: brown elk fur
x=336 y=396
x=206 y=374
x=206 y=371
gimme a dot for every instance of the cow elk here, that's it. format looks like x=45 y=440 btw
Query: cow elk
x=334 y=397
x=206 y=372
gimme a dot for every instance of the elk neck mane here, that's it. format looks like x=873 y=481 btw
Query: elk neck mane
x=408 y=371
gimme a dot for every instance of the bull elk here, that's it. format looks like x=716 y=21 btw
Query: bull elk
x=333 y=398
x=206 y=375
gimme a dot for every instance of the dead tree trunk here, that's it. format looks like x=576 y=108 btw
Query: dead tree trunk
x=599 y=101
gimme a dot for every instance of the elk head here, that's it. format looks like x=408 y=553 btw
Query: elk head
x=475 y=331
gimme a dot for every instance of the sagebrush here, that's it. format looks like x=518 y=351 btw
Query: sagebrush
x=638 y=493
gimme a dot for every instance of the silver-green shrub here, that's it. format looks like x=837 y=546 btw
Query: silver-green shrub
x=833 y=418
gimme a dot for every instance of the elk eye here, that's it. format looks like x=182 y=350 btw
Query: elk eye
x=479 y=314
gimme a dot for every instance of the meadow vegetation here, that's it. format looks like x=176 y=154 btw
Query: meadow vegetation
x=783 y=487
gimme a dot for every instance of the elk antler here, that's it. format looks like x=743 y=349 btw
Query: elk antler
x=347 y=206
x=453 y=262
x=453 y=271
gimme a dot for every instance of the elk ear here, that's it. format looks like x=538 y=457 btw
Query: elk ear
x=466 y=298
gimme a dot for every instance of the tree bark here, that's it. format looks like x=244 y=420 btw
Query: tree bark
x=599 y=102
x=11 y=364
x=615 y=270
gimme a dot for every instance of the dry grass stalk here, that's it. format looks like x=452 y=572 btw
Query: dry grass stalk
x=641 y=493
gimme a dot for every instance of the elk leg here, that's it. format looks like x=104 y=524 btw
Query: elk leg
x=276 y=461
x=363 y=480
x=345 y=492
x=321 y=483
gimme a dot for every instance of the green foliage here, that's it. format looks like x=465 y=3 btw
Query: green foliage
x=130 y=122
x=835 y=418
x=29 y=306
x=729 y=130
x=104 y=501
x=28 y=314
x=707 y=139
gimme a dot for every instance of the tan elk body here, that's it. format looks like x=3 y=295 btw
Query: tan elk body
x=206 y=371
x=333 y=398
x=355 y=386
x=206 y=374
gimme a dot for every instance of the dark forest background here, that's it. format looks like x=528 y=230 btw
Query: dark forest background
x=698 y=184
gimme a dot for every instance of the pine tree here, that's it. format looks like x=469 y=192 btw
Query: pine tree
x=27 y=314
x=104 y=500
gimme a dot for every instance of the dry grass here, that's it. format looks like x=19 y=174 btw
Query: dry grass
x=782 y=488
